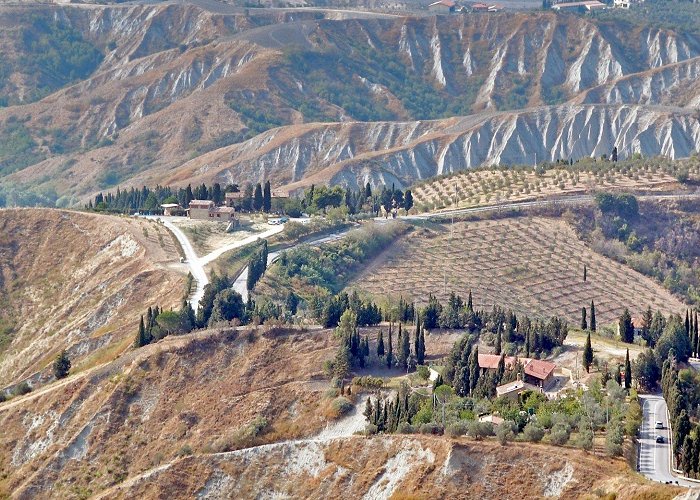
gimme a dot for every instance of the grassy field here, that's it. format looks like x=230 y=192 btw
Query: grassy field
x=483 y=186
x=531 y=265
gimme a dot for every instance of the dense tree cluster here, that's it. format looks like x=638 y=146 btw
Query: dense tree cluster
x=158 y=324
x=149 y=199
x=257 y=266
x=503 y=326
x=385 y=415
x=328 y=309
x=364 y=199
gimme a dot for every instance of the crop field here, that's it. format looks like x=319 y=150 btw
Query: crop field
x=531 y=265
x=484 y=186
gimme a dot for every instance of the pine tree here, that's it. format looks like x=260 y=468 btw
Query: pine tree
x=584 y=323
x=592 y=322
x=61 y=365
x=380 y=344
x=628 y=371
x=588 y=354
x=647 y=318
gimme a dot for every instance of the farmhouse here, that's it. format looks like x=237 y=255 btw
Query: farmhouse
x=537 y=372
x=234 y=198
x=442 y=7
x=588 y=5
x=512 y=390
x=207 y=210
x=172 y=209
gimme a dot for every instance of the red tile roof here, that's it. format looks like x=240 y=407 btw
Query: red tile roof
x=534 y=367
x=539 y=368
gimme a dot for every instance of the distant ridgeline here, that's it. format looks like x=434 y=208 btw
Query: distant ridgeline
x=256 y=198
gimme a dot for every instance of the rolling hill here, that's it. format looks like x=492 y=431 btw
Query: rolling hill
x=77 y=282
x=298 y=98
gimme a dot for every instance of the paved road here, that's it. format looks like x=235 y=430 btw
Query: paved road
x=192 y=261
x=241 y=283
x=655 y=458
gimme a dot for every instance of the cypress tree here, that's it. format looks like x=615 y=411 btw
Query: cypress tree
x=470 y=303
x=258 y=198
x=584 y=323
x=405 y=349
x=697 y=340
x=420 y=355
x=588 y=354
x=416 y=339
x=380 y=344
x=141 y=336
x=267 y=197
x=618 y=376
x=628 y=371
x=474 y=369
x=626 y=327
x=687 y=322
x=585 y=273
x=389 y=352
x=592 y=322
x=498 y=342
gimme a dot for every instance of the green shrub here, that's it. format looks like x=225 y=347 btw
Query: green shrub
x=342 y=406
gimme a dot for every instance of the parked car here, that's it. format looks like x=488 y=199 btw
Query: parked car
x=659 y=439
x=659 y=425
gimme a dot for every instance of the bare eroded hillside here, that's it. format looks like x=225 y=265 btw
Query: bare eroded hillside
x=78 y=282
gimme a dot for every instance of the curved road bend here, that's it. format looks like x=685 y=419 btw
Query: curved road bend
x=241 y=283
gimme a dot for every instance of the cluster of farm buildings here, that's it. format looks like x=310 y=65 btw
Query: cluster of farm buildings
x=450 y=6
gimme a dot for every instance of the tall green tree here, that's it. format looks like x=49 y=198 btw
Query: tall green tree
x=405 y=349
x=267 y=197
x=647 y=318
x=474 y=370
x=408 y=200
x=389 y=350
x=592 y=322
x=628 y=371
x=588 y=353
x=585 y=273
x=420 y=352
x=498 y=342
x=61 y=365
x=380 y=344
x=141 y=335
x=258 y=198
x=584 y=323
x=626 y=327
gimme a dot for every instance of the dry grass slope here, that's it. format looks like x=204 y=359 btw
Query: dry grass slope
x=196 y=393
x=531 y=265
x=78 y=282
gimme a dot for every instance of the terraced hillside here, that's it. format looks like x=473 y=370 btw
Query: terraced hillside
x=492 y=186
x=383 y=99
x=533 y=266
x=77 y=282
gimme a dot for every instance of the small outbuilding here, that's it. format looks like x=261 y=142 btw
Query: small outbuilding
x=170 y=209
x=442 y=7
